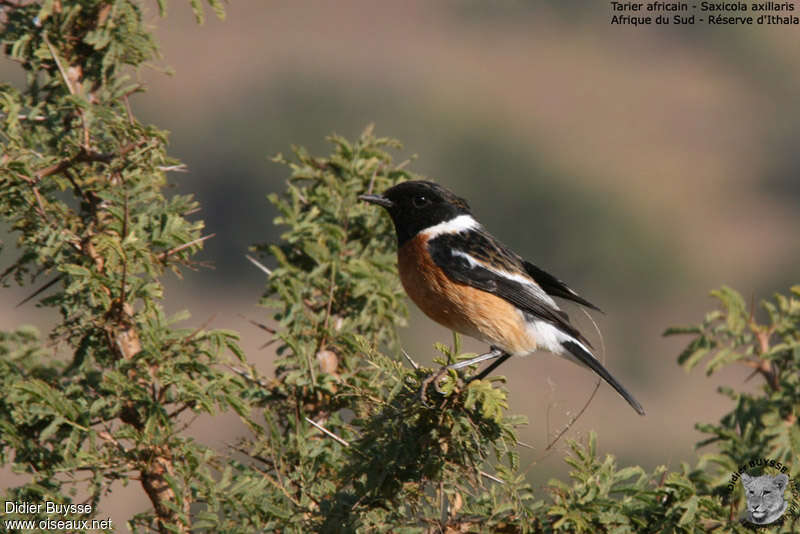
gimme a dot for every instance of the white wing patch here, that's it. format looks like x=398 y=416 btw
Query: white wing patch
x=526 y=282
x=456 y=225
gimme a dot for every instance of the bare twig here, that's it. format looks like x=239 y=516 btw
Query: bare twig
x=586 y=405
x=599 y=334
x=269 y=479
x=574 y=418
x=124 y=256
x=106 y=435
x=189 y=423
x=594 y=391
x=324 y=338
x=332 y=287
x=70 y=88
x=78 y=190
x=86 y=156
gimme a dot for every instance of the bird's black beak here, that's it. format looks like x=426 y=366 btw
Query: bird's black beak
x=377 y=199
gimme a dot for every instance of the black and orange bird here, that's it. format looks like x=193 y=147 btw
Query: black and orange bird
x=463 y=278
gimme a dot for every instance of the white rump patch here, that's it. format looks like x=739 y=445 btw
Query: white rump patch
x=456 y=225
x=549 y=338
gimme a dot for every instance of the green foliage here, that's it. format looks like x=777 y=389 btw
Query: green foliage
x=762 y=425
x=379 y=460
x=336 y=295
x=707 y=497
x=343 y=442
x=82 y=181
x=335 y=278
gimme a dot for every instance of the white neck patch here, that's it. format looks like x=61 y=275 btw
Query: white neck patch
x=456 y=225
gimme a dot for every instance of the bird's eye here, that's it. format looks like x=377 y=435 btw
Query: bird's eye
x=420 y=201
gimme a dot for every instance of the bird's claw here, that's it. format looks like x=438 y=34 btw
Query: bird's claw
x=436 y=385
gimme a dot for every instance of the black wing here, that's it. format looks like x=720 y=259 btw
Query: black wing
x=467 y=261
x=555 y=287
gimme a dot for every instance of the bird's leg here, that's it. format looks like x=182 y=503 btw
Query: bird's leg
x=491 y=367
x=491 y=355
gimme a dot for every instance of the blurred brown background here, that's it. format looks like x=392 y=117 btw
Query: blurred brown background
x=645 y=166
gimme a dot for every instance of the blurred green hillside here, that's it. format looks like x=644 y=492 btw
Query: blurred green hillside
x=644 y=166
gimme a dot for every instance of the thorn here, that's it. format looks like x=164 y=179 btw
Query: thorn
x=414 y=364
x=173 y=168
x=244 y=373
x=258 y=264
x=372 y=180
x=61 y=70
x=200 y=328
x=328 y=432
x=267 y=344
x=168 y=253
x=43 y=288
x=491 y=477
x=257 y=324
x=751 y=375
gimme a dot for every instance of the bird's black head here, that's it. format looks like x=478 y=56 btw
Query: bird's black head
x=417 y=205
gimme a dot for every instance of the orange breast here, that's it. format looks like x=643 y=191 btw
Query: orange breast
x=460 y=307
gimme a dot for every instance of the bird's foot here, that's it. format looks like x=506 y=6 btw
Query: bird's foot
x=435 y=377
x=425 y=383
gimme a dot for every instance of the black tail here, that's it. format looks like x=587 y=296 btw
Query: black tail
x=584 y=357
